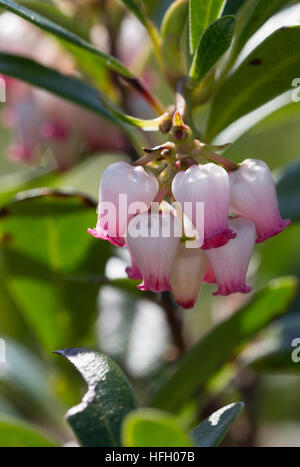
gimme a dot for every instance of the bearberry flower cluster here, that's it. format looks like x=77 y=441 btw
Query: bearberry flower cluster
x=188 y=222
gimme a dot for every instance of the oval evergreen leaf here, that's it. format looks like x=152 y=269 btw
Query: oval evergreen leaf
x=214 y=43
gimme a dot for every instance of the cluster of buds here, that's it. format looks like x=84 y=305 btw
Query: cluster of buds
x=186 y=220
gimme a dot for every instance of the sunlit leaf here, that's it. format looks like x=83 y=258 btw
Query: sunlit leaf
x=266 y=73
x=273 y=139
x=253 y=15
x=97 y=420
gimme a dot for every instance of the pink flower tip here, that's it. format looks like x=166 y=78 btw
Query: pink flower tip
x=218 y=240
x=102 y=235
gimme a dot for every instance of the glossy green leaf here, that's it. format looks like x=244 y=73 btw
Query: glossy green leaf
x=153 y=428
x=212 y=431
x=266 y=73
x=97 y=420
x=202 y=13
x=214 y=43
x=253 y=15
x=223 y=342
x=288 y=188
x=14 y=433
x=42 y=265
x=64 y=34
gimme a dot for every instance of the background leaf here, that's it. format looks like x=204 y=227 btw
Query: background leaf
x=266 y=73
x=212 y=431
x=97 y=420
x=214 y=43
x=153 y=428
x=42 y=266
x=223 y=342
x=202 y=13
x=14 y=433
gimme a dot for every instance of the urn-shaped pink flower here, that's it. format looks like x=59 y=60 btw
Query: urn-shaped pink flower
x=253 y=195
x=207 y=184
x=124 y=191
x=153 y=243
x=230 y=262
x=187 y=275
